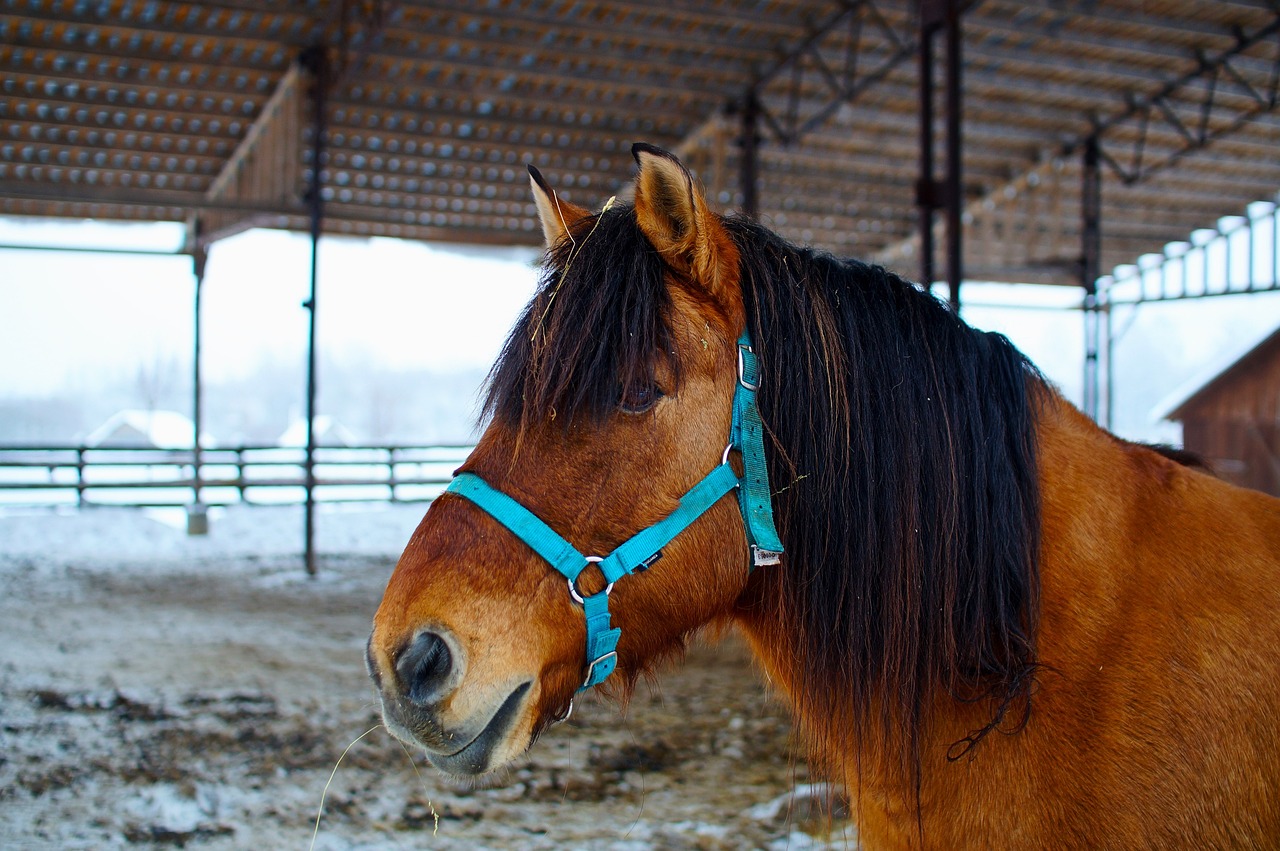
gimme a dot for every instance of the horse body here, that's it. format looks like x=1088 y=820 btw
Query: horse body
x=1160 y=586
x=1000 y=625
x=1154 y=722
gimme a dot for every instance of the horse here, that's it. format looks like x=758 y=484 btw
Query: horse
x=995 y=623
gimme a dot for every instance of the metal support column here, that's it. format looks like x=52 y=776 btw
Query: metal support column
x=926 y=189
x=948 y=194
x=1108 y=377
x=1090 y=271
x=955 y=146
x=197 y=513
x=315 y=61
x=748 y=163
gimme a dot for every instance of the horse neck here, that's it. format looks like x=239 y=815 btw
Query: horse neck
x=1074 y=456
x=1131 y=541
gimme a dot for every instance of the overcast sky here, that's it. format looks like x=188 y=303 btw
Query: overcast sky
x=75 y=320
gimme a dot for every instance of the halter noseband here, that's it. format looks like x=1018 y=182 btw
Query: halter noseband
x=641 y=550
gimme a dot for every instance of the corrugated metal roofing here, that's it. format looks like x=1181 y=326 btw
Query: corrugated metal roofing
x=137 y=109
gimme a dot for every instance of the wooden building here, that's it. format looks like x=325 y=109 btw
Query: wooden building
x=1234 y=420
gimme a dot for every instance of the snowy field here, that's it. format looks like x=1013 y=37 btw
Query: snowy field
x=159 y=690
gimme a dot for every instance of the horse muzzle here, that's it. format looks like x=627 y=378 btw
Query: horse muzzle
x=421 y=704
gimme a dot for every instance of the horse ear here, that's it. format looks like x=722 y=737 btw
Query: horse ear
x=556 y=214
x=673 y=215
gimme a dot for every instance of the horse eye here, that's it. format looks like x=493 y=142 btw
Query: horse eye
x=639 y=398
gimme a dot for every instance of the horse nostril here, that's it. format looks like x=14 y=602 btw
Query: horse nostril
x=423 y=668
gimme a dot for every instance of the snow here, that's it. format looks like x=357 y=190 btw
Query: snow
x=110 y=536
x=139 y=428
x=164 y=690
x=327 y=432
x=1211 y=369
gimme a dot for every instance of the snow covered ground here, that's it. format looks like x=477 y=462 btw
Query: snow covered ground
x=176 y=691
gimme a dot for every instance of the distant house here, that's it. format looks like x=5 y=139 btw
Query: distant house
x=138 y=429
x=1233 y=419
x=328 y=432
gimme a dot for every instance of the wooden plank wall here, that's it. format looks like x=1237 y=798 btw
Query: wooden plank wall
x=1235 y=423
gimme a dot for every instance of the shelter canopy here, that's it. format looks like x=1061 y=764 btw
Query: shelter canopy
x=135 y=109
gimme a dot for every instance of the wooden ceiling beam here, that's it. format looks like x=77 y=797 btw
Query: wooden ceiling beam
x=470 y=107
x=75 y=19
x=1016 y=18
x=1170 y=216
x=780 y=25
x=125 y=119
x=530 y=30
x=1046 y=68
x=83 y=157
x=813 y=193
x=547 y=57
x=1161 y=28
x=463 y=73
x=124 y=68
x=59 y=134
x=503 y=118
x=45 y=83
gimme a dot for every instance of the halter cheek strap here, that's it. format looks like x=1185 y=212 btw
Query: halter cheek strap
x=747 y=435
x=638 y=552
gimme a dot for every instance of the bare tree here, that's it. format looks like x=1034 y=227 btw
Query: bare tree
x=156 y=380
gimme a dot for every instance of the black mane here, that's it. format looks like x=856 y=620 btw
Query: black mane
x=904 y=459
x=901 y=449
x=595 y=329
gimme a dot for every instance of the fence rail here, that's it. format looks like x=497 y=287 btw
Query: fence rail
x=99 y=475
x=1240 y=255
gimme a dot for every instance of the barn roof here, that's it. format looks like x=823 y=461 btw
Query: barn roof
x=137 y=109
x=146 y=428
x=1219 y=376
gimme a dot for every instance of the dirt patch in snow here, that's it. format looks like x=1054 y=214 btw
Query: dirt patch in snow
x=199 y=697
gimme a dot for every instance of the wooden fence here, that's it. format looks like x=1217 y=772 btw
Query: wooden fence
x=83 y=475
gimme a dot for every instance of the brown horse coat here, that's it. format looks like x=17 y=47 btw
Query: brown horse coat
x=1048 y=638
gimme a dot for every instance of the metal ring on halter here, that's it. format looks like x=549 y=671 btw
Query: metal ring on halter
x=724 y=459
x=742 y=370
x=560 y=719
x=573 y=588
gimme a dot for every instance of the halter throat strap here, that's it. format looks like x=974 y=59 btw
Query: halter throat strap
x=638 y=552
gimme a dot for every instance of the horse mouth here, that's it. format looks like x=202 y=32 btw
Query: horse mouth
x=476 y=756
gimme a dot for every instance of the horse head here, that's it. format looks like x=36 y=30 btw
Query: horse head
x=610 y=407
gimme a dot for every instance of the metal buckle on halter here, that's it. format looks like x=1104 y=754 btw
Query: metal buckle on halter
x=573 y=588
x=764 y=558
x=591 y=669
x=742 y=370
x=568 y=713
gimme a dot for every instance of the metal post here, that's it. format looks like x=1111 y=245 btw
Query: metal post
x=749 y=163
x=926 y=200
x=1090 y=270
x=932 y=195
x=80 y=483
x=954 y=143
x=1107 y=373
x=314 y=59
x=197 y=515
x=1092 y=335
x=1250 y=252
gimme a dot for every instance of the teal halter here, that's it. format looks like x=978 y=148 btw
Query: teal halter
x=641 y=550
